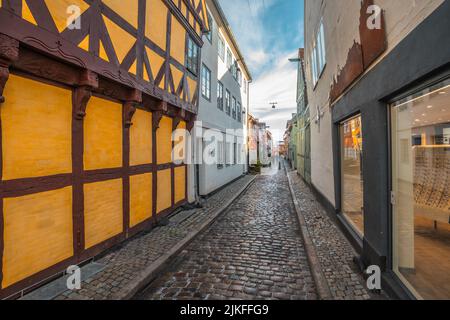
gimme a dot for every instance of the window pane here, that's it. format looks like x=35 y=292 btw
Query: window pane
x=239 y=112
x=209 y=34
x=421 y=175
x=314 y=67
x=228 y=102
x=352 y=176
x=192 y=56
x=220 y=95
x=323 y=48
x=319 y=55
x=206 y=82
x=229 y=59
x=233 y=108
x=221 y=48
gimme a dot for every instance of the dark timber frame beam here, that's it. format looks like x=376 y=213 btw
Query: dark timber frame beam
x=9 y=53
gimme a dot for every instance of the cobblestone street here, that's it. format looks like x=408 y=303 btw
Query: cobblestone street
x=254 y=251
x=245 y=243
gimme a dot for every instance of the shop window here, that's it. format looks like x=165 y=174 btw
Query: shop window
x=352 y=173
x=421 y=192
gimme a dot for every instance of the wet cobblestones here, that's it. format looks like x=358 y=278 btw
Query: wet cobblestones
x=254 y=251
x=335 y=253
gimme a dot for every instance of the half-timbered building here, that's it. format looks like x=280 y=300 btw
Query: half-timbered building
x=90 y=93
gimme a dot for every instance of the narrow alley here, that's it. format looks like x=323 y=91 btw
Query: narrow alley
x=255 y=251
x=176 y=150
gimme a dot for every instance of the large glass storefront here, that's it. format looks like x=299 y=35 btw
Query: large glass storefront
x=421 y=184
x=351 y=173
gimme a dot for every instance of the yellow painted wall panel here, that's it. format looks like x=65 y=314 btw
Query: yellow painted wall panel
x=103 y=211
x=84 y=44
x=36 y=129
x=133 y=68
x=180 y=143
x=177 y=76
x=102 y=135
x=26 y=13
x=184 y=9
x=164 y=190
x=156 y=22
x=192 y=88
x=204 y=17
x=146 y=74
x=177 y=41
x=141 y=138
x=180 y=184
x=122 y=40
x=58 y=10
x=141 y=198
x=126 y=9
x=191 y=20
x=197 y=29
x=164 y=141
x=102 y=52
x=156 y=61
x=162 y=83
x=38 y=233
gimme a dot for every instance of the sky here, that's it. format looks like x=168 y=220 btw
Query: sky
x=269 y=32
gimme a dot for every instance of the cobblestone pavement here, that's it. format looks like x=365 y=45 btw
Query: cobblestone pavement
x=254 y=251
x=335 y=253
x=124 y=263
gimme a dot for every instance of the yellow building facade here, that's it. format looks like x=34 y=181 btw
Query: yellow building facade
x=90 y=93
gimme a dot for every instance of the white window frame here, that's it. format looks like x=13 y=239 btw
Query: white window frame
x=206 y=82
x=221 y=48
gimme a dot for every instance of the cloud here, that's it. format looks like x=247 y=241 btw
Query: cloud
x=257 y=57
x=279 y=83
x=268 y=35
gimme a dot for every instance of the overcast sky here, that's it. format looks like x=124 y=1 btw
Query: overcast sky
x=269 y=32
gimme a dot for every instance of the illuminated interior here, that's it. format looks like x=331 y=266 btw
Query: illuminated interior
x=352 y=177
x=421 y=179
